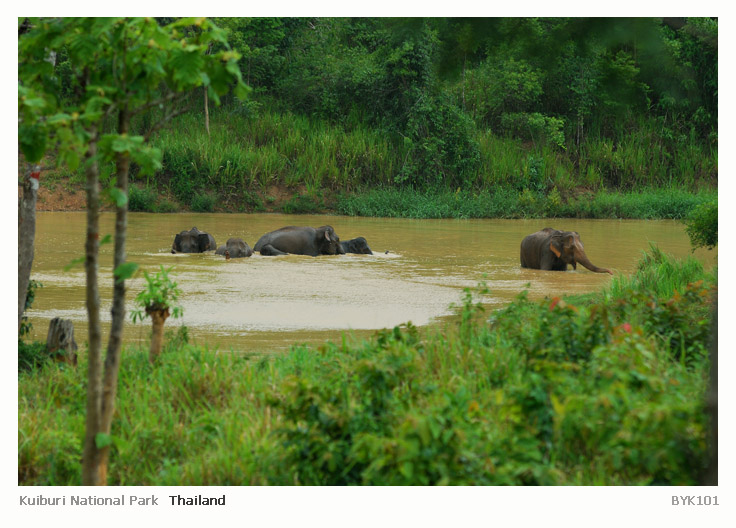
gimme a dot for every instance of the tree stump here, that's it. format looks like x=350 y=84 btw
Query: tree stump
x=159 y=314
x=60 y=341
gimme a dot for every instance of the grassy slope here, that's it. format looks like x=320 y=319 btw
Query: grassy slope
x=284 y=162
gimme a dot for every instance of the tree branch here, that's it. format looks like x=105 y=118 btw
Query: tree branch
x=158 y=126
x=171 y=96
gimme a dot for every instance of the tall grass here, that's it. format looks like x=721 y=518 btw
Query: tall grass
x=658 y=274
x=245 y=153
x=509 y=203
x=539 y=393
x=242 y=154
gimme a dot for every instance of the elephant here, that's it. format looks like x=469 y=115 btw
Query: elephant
x=193 y=241
x=550 y=249
x=300 y=241
x=235 y=248
x=356 y=245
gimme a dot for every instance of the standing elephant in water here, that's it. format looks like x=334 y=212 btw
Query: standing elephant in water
x=235 y=248
x=300 y=241
x=550 y=249
x=193 y=241
x=356 y=245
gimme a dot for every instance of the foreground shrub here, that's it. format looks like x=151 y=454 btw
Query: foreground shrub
x=702 y=225
x=32 y=355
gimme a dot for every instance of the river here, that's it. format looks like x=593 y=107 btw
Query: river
x=262 y=304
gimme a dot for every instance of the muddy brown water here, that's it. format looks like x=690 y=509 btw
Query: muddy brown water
x=262 y=304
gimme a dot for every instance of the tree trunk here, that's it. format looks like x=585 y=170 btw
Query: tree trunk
x=60 y=341
x=90 y=456
x=465 y=60
x=158 y=316
x=206 y=112
x=26 y=234
x=112 y=359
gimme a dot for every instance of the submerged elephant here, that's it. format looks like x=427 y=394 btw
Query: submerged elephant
x=300 y=241
x=550 y=249
x=193 y=241
x=235 y=248
x=356 y=245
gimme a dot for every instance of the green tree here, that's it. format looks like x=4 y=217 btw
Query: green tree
x=158 y=302
x=702 y=225
x=123 y=67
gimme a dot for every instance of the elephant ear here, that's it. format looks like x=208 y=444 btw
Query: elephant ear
x=177 y=242
x=555 y=245
x=203 y=241
x=324 y=232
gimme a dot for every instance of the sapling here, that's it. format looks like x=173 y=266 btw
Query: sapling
x=157 y=301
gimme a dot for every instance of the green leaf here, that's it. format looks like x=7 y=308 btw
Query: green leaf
x=106 y=239
x=119 y=197
x=94 y=109
x=125 y=271
x=102 y=440
x=32 y=141
x=121 y=444
x=148 y=159
x=82 y=47
x=186 y=66
x=59 y=119
x=35 y=102
x=74 y=262
x=242 y=90
x=70 y=157
x=126 y=143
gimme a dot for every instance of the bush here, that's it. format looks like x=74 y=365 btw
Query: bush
x=143 y=200
x=204 y=202
x=535 y=127
x=32 y=355
x=166 y=206
x=702 y=225
x=303 y=204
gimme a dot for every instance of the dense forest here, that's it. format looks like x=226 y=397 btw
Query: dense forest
x=539 y=110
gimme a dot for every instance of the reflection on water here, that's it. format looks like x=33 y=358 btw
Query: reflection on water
x=266 y=303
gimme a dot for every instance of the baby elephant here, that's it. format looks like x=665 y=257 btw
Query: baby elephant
x=550 y=249
x=193 y=241
x=234 y=248
x=356 y=245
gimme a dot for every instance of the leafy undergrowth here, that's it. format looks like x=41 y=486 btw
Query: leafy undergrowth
x=610 y=391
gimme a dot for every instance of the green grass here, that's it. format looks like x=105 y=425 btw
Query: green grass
x=658 y=274
x=507 y=203
x=636 y=175
x=610 y=392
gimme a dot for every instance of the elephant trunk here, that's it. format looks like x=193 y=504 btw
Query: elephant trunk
x=583 y=259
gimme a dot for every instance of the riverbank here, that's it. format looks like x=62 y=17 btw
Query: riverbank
x=598 y=391
x=63 y=193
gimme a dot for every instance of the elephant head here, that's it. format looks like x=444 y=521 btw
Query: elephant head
x=567 y=246
x=193 y=241
x=234 y=248
x=357 y=245
x=328 y=242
